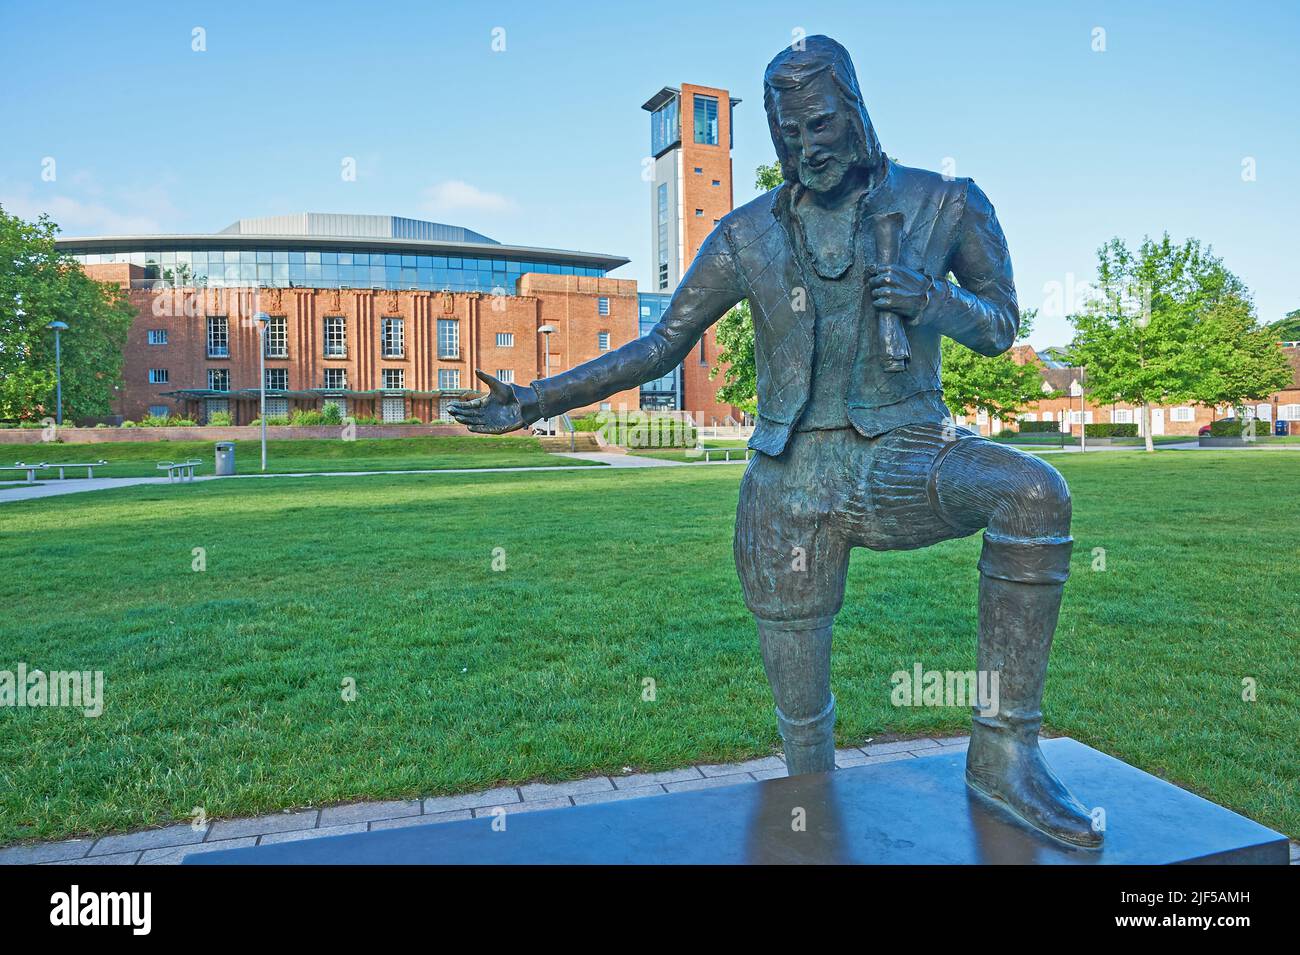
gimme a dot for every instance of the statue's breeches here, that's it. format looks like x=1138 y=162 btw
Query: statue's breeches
x=801 y=513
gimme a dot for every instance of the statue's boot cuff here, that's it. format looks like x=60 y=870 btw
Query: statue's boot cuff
x=809 y=742
x=801 y=623
x=1038 y=560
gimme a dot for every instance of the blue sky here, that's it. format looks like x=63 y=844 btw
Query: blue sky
x=541 y=144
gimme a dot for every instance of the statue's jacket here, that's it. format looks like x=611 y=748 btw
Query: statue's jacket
x=949 y=227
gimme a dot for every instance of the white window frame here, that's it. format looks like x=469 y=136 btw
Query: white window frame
x=1121 y=416
x=602 y=305
x=392 y=336
x=335 y=343
x=506 y=374
x=448 y=379
x=160 y=411
x=1288 y=412
x=448 y=338
x=218 y=331
x=277 y=373
x=505 y=339
x=157 y=336
x=394 y=379
x=158 y=376
x=341 y=383
x=602 y=341
x=217 y=375
x=276 y=337
x=1183 y=414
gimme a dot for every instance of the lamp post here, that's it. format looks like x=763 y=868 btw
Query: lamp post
x=263 y=320
x=58 y=369
x=546 y=331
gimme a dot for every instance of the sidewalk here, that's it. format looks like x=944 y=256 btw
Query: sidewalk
x=168 y=846
x=79 y=485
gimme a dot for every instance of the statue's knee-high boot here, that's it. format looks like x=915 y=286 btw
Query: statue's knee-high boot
x=796 y=656
x=1021 y=583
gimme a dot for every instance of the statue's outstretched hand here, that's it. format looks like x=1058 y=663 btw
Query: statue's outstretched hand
x=496 y=412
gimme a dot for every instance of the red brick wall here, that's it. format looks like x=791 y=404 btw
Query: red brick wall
x=568 y=302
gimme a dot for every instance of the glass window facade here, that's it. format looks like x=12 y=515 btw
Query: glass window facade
x=665 y=393
x=662 y=223
x=706 y=120
x=336 y=378
x=277 y=379
x=284 y=268
x=448 y=379
x=394 y=378
x=218 y=379
x=665 y=127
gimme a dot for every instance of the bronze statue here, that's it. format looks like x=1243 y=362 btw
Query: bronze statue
x=847 y=268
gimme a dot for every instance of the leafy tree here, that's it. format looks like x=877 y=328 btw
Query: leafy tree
x=735 y=331
x=1144 y=338
x=1286 y=329
x=735 y=335
x=39 y=285
x=974 y=382
x=1245 y=361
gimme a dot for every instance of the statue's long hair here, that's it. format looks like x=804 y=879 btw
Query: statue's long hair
x=795 y=66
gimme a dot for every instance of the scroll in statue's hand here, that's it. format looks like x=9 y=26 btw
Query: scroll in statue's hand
x=496 y=412
x=898 y=289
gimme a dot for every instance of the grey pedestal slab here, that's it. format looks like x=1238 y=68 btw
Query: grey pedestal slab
x=916 y=811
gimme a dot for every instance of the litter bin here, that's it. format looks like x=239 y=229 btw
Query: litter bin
x=225 y=457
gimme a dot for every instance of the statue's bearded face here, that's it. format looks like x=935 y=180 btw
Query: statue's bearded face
x=817 y=132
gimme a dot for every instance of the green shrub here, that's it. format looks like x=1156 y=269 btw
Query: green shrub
x=220 y=419
x=331 y=414
x=1040 y=427
x=1235 y=428
x=1111 y=430
x=128 y=424
x=366 y=419
x=639 y=429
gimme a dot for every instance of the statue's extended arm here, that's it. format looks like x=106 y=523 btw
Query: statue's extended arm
x=982 y=312
x=705 y=294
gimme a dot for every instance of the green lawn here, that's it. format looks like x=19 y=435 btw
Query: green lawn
x=140 y=458
x=223 y=686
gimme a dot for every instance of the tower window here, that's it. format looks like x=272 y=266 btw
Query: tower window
x=706 y=120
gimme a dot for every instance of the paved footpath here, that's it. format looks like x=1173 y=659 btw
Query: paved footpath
x=24 y=492
x=169 y=845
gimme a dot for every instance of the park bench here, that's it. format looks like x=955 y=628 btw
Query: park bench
x=31 y=469
x=179 y=470
x=88 y=465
